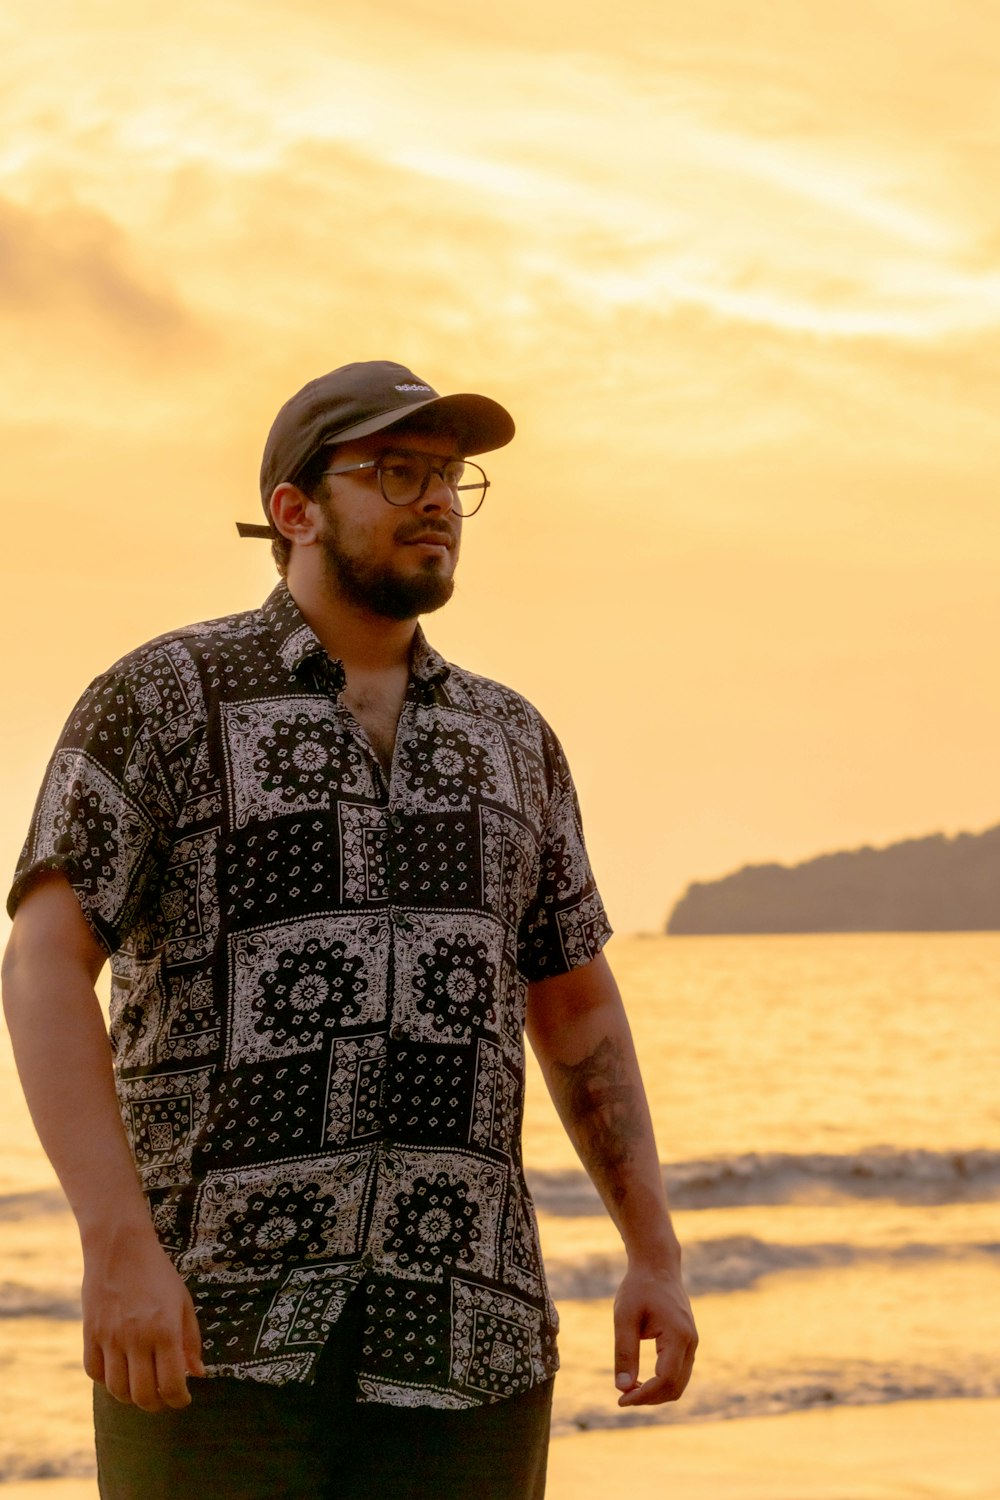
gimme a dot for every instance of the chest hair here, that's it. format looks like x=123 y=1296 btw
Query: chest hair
x=377 y=705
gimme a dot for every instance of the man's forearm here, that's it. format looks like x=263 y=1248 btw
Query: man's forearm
x=602 y=1104
x=580 y=1034
x=140 y=1332
x=64 y=1062
x=586 y=1053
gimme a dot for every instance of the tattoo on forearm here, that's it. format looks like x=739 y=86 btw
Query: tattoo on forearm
x=599 y=1103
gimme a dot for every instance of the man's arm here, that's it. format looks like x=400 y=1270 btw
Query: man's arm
x=577 y=1027
x=140 y=1331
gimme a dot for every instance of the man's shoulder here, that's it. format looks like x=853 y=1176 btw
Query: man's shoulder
x=185 y=645
x=484 y=696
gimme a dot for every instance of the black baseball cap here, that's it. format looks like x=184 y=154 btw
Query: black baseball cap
x=357 y=400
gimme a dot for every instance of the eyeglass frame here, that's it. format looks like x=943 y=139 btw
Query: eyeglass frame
x=376 y=464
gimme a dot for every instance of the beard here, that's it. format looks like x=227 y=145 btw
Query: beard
x=376 y=587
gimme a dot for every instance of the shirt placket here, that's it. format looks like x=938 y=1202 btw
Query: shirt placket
x=392 y=1112
x=396 y=1107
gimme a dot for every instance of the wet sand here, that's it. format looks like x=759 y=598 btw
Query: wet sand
x=916 y=1450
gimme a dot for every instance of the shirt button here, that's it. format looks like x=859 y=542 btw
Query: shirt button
x=396 y=1032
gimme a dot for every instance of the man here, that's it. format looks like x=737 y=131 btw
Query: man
x=336 y=878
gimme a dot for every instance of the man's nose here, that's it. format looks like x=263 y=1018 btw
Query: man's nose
x=437 y=497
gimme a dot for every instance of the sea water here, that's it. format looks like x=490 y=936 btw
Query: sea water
x=828 y=1117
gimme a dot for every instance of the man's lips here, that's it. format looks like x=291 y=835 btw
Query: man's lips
x=428 y=539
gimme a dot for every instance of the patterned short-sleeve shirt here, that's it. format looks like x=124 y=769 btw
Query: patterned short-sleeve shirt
x=318 y=990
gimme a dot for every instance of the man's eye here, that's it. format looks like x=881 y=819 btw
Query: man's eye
x=401 y=470
x=453 y=472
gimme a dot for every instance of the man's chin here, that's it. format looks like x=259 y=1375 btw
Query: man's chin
x=414 y=596
x=391 y=596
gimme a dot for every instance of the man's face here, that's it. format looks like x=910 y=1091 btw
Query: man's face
x=394 y=561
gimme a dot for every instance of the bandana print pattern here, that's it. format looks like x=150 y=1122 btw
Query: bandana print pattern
x=318 y=993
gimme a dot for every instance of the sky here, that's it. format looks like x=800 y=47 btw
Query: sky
x=734 y=269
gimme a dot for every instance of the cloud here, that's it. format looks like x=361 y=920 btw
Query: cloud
x=635 y=159
x=77 y=262
x=93 y=336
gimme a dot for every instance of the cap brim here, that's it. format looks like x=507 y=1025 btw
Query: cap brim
x=479 y=424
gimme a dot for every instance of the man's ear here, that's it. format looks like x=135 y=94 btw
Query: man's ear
x=294 y=514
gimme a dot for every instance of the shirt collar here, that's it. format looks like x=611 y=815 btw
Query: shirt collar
x=298 y=645
x=427 y=666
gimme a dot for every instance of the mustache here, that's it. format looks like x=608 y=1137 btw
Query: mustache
x=411 y=529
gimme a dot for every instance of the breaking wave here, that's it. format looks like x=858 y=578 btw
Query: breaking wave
x=17 y=1301
x=861 y=1384
x=901 y=1176
x=33 y=1205
x=18 y=1468
x=734 y=1263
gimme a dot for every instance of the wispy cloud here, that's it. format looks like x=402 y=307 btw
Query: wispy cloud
x=77 y=259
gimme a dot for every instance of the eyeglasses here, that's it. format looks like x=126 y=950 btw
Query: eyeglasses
x=403 y=477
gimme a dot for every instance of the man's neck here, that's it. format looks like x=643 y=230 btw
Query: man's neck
x=363 y=641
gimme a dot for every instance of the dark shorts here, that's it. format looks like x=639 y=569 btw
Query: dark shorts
x=241 y=1440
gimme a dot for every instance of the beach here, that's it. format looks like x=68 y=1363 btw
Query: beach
x=913 y=1450
x=830 y=1152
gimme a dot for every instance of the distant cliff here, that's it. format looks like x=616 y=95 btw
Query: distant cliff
x=935 y=884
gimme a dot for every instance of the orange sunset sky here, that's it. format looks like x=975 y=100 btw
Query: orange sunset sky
x=732 y=266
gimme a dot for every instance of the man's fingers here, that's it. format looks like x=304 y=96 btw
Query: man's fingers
x=653 y=1305
x=171 y=1375
x=626 y=1350
x=674 y=1366
x=142 y=1381
x=652 y=1392
x=191 y=1336
x=93 y=1358
x=141 y=1331
x=116 y=1375
x=150 y=1378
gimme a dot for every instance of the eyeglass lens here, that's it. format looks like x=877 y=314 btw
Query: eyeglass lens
x=404 y=477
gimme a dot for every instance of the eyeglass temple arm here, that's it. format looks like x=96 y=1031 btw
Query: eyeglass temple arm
x=253 y=529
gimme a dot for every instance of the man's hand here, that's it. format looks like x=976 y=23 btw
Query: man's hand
x=140 y=1333
x=577 y=1026
x=653 y=1305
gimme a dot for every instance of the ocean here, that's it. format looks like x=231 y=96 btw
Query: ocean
x=828 y=1117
